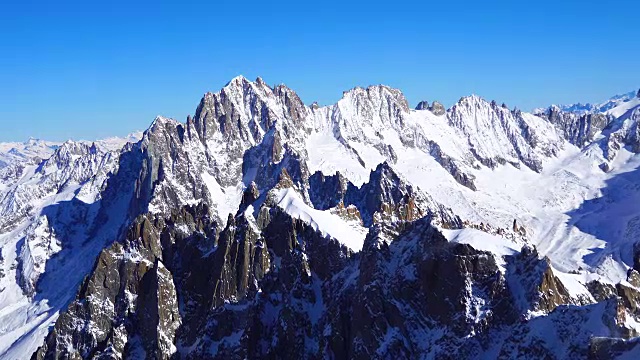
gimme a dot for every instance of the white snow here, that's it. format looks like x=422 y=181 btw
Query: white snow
x=328 y=155
x=624 y=107
x=574 y=283
x=348 y=233
x=480 y=240
x=225 y=200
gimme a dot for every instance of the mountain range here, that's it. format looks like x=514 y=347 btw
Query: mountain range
x=263 y=227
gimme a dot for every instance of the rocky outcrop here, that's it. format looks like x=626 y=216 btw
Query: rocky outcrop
x=580 y=125
x=542 y=290
x=629 y=296
x=601 y=291
x=578 y=129
x=73 y=164
x=423 y=105
x=463 y=178
x=127 y=306
x=624 y=132
x=327 y=191
x=437 y=109
x=387 y=198
x=157 y=291
x=267 y=286
x=604 y=348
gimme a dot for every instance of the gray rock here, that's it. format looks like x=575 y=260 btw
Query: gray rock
x=437 y=109
x=578 y=129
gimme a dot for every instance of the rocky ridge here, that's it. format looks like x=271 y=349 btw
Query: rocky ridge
x=219 y=245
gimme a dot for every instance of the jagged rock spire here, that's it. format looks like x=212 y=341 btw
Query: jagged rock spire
x=423 y=105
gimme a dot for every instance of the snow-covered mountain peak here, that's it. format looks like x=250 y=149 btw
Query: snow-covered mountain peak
x=31 y=141
x=237 y=81
x=375 y=93
x=159 y=122
x=497 y=135
x=29 y=151
x=471 y=100
x=625 y=96
x=246 y=110
x=72 y=146
x=474 y=103
x=240 y=86
x=363 y=112
x=69 y=151
x=553 y=107
x=611 y=124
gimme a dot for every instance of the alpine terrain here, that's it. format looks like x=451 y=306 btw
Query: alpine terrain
x=263 y=227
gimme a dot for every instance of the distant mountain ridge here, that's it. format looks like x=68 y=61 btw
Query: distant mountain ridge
x=42 y=149
x=602 y=107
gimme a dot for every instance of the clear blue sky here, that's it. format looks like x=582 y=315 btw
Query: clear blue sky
x=93 y=69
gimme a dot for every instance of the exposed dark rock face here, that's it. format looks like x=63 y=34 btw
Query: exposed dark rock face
x=267 y=172
x=630 y=297
x=274 y=287
x=160 y=287
x=128 y=305
x=423 y=105
x=604 y=348
x=601 y=291
x=542 y=290
x=581 y=128
x=327 y=191
x=387 y=198
x=463 y=178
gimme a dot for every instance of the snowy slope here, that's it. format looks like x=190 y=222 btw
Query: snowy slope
x=348 y=233
x=623 y=109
